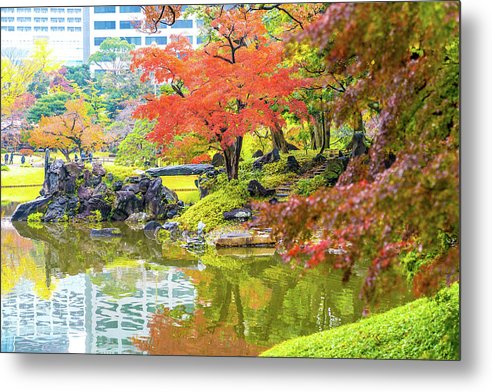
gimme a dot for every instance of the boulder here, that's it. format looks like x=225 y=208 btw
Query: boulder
x=117 y=185
x=291 y=147
x=100 y=190
x=25 y=209
x=144 y=184
x=74 y=169
x=106 y=232
x=271 y=157
x=125 y=204
x=255 y=189
x=157 y=198
x=60 y=208
x=238 y=214
x=137 y=217
x=292 y=165
x=96 y=203
x=152 y=226
x=180 y=170
x=257 y=154
x=110 y=177
x=131 y=188
x=59 y=180
x=84 y=192
x=98 y=169
x=218 y=160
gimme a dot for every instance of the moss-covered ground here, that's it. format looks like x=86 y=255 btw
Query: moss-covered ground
x=428 y=328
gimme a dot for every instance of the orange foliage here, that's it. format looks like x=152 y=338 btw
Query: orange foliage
x=193 y=336
x=70 y=131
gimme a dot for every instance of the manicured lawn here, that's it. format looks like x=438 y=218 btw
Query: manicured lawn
x=428 y=328
x=22 y=176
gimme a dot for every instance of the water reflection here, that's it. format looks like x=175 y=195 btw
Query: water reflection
x=63 y=291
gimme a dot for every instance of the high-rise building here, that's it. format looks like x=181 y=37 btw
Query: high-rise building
x=74 y=33
x=119 y=21
x=62 y=27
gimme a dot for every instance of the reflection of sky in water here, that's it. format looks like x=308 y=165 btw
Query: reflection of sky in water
x=80 y=317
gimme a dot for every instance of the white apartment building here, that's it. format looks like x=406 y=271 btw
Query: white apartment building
x=74 y=33
x=119 y=21
x=62 y=27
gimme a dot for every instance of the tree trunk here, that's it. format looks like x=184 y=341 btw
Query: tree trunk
x=66 y=154
x=278 y=139
x=326 y=134
x=231 y=157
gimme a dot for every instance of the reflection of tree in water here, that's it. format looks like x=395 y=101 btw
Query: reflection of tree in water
x=175 y=332
x=245 y=305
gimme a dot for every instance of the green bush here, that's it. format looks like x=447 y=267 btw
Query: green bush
x=4 y=168
x=306 y=186
x=428 y=328
x=210 y=209
x=35 y=217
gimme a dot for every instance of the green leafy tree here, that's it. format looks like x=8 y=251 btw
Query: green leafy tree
x=135 y=149
x=48 y=105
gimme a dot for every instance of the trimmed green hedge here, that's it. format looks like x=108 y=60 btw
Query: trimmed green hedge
x=428 y=328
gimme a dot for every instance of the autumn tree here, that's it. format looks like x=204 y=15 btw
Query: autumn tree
x=398 y=206
x=222 y=91
x=73 y=130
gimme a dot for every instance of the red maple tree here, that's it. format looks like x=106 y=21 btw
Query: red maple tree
x=233 y=85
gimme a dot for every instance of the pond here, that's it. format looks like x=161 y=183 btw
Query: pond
x=63 y=291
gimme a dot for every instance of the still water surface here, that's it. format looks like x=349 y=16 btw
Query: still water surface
x=63 y=291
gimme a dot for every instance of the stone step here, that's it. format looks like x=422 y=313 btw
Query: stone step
x=281 y=195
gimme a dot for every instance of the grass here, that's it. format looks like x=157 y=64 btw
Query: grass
x=21 y=176
x=428 y=328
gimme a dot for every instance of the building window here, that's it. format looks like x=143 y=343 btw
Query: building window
x=105 y=25
x=98 y=40
x=157 y=40
x=199 y=40
x=7 y=19
x=71 y=28
x=74 y=20
x=40 y=10
x=126 y=9
x=133 y=40
x=74 y=10
x=126 y=24
x=7 y=28
x=57 y=20
x=57 y=10
x=104 y=10
x=23 y=19
x=23 y=28
x=190 y=39
x=40 y=20
x=183 y=24
x=40 y=28
x=7 y=10
x=23 y=10
x=54 y=28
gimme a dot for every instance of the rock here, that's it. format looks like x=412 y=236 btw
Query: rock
x=25 y=209
x=319 y=158
x=143 y=185
x=125 y=204
x=110 y=177
x=171 y=226
x=84 y=192
x=100 y=190
x=95 y=181
x=238 y=214
x=333 y=170
x=172 y=211
x=74 y=169
x=258 y=154
x=218 y=160
x=131 y=188
x=96 y=203
x=180 y=170
x=59 y=180
x=152 y=226
x=107 y=232
x=137 y=217
x=240 y=239
x=292 y=165
x=291 y=147
x=157 y=198
x=117 y=185
x=255 y=189
x=273 y=201
x=271 y=157
x=61 y=208
x=98 y=169
x=87 y=177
